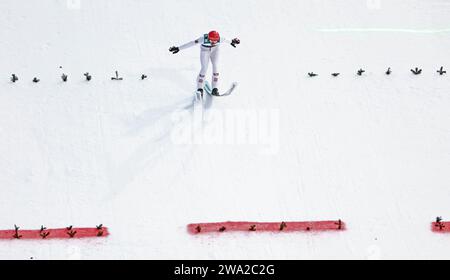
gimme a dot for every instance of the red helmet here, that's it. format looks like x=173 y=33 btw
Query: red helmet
x=214 y=36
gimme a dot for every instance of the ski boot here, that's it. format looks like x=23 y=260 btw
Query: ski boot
x=215 y=92
x=200 y=91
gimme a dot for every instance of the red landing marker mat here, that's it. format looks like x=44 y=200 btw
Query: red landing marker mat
x=440 y=227
x=61 y=233
x=313 y=226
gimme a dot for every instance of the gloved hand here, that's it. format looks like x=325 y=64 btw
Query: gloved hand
x=235 y=42
x=174 y=50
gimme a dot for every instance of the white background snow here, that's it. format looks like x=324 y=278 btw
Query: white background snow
x=371 y=150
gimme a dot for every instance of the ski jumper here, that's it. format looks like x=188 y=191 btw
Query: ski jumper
x=208 y=51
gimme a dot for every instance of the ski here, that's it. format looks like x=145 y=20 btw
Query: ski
x=198 y=107
x=208 y=89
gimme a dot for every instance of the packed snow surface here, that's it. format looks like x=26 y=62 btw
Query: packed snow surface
x=141 y=158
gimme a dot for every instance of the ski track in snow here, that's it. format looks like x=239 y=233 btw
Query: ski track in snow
x=372 y=150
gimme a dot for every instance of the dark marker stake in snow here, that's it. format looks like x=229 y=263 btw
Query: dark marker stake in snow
x=116 y=78
x=389 y=71
x=14 y=78
x=416 y=71
x=88 y=77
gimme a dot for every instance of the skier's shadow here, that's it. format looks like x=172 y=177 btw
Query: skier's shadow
x=206 y=102
x=152 y=116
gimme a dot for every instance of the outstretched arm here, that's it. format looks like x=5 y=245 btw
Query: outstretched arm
x=190 y=44
x=175 y=50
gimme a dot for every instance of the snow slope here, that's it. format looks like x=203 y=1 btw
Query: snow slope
x=372 y=150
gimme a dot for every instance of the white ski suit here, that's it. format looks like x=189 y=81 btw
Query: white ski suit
x=208 y=51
